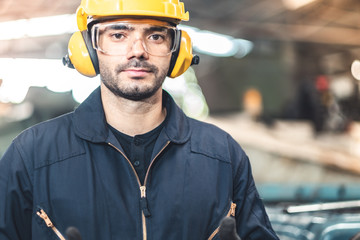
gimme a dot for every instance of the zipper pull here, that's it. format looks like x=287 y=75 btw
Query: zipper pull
x=232 y=209
x=143 y=202
x=41 y=213
x=143 y=191
x=45 y=217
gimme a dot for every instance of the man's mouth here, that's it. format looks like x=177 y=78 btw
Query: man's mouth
x=137 y=72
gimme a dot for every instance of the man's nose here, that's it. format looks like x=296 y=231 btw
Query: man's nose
x=137 y=50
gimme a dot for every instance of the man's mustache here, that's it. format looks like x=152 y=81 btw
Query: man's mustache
x=137 y=64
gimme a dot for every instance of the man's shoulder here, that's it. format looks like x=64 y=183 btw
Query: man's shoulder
x=209 y=139
x=47 y=132
x=49 y=141
x=207 y=128
x=50 y=126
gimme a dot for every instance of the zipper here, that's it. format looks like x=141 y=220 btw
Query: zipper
x=231 y=212
x=143 y=200
x=41 y=213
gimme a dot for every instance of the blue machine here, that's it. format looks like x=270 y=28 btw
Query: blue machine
x=313 y=212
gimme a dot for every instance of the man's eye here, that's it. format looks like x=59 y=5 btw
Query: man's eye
x=156 y=37
x=117 y=36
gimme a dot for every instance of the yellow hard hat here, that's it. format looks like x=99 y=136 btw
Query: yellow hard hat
x=170 y=9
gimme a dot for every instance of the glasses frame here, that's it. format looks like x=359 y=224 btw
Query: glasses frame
x=95 y=36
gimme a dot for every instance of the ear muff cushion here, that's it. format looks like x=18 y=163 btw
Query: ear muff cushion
x=91 y=50
x=82 y=55
x=182 y=58
x=175 y=54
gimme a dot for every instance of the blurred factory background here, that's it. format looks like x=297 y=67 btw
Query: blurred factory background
x=282 y=76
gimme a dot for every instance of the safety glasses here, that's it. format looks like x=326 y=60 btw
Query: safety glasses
x=119 y=37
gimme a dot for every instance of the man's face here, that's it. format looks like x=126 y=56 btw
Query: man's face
x=134 y=56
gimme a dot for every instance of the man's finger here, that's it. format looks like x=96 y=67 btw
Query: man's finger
x=227 y=229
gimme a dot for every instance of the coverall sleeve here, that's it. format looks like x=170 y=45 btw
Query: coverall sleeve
x=15 y=197
x=252 y=221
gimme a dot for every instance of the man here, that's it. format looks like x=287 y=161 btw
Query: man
x=127 y=163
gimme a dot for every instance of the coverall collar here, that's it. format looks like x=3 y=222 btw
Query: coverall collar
x=90 y=122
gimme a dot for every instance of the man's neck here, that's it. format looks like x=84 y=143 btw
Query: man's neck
x=133 y=117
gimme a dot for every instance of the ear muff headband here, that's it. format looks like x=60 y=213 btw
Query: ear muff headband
x=182 y=58
x=82 y=55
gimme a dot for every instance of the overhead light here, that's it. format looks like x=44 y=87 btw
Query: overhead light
x=38 y=27
x=355 y=69
x=295 y=4
x=244 y=47
x=19 y=74
x=216 y=44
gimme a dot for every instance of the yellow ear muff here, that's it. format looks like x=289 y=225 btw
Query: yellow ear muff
x=183 y=58
x=82 y=55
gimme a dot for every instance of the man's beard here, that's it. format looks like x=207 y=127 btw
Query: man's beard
x=110 y=80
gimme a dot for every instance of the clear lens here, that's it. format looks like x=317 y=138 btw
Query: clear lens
x=118 y=38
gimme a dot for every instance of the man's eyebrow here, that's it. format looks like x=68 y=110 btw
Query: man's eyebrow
x=118 y=27
x=156 y=28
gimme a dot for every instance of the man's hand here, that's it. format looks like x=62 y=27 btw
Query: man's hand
x=72 y=233
x=227 y=229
